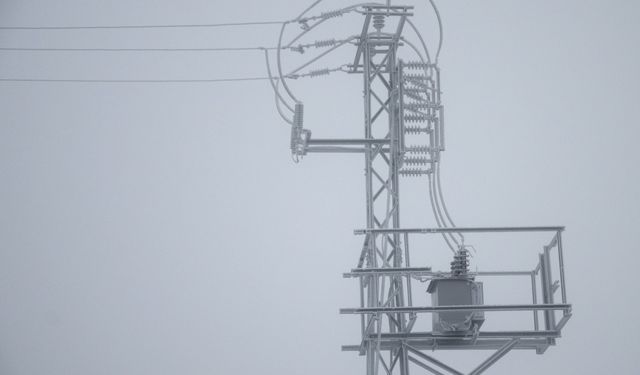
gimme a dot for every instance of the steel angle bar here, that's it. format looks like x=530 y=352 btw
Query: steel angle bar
x=432 y=360
x=378 y=113
x=482 y=334
x=534 y=297
x=461 y=229
x=425 y=366
x=561 y=265
x=384 y=363
x=395 y=360
x=495 y=357
x=385 y=158
x=378 y=67
x=385 y=183
x=384 y=104
x=348 y=141
x=384 y=81
x=335 y=149
x=402 y=271
x=432 y=309
x=480 y=344
x=565 y=318
x=363 y=253
x=399 y=28
x=554 y=241
x=378 y=192
x=362 y=40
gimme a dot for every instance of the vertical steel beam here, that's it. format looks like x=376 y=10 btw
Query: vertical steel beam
x=534 y=297
x=381 y=89
x=561 y=264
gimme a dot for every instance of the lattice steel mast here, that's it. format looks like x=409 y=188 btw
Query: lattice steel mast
x=403 y=137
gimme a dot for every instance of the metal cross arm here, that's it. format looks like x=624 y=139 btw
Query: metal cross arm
x=346 y=145
x=461 y=229
x=433 y=309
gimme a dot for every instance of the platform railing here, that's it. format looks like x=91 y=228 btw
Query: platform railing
x=538 y=338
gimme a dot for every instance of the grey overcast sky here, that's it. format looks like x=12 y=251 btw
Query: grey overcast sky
x=163 y=229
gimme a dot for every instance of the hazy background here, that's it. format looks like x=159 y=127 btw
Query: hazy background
x=163 y=229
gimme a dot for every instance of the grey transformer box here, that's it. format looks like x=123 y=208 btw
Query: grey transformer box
x=454 y=291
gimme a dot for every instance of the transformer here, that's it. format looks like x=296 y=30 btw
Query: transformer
x=458 y=289
x=452 y=291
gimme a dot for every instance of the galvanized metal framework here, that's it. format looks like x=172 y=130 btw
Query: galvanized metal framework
x=403 y=137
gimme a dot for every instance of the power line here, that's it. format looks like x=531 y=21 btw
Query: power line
x=203 y=49
x=310 y=74
x=299 y=48
x=133 y=80
x=141 y=26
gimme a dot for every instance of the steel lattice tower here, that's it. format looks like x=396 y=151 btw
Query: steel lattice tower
x=404 y=137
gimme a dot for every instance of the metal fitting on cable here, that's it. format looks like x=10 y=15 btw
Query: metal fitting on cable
x=303 y=24
x=298 y=48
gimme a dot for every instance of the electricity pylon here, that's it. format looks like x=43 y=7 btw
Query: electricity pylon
x=404 y=137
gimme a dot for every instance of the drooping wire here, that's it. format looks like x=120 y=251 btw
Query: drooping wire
x=276 y=91
x=279 y=63
x=435 y=214
x=433 y=190
x=435 y=9
x=310 y=74
x=278 y=100
x=272 y=80
x=424 y=45
x=422 y=59
x=437 y=199
x=299 y=48
x=442 y=201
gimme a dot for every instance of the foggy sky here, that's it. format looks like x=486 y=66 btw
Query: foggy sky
x=163 y=229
